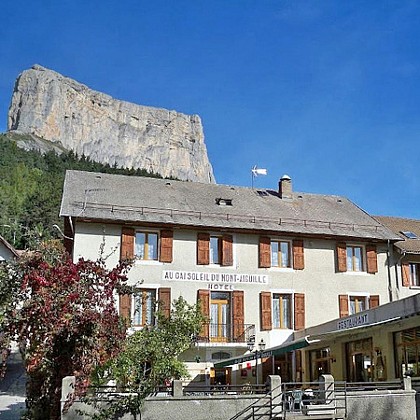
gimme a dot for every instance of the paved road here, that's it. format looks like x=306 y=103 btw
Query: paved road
x=12 y=390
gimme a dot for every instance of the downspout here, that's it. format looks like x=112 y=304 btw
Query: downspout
x=396 y=268
x=388 y=256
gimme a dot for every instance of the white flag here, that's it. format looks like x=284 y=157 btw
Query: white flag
x=258 y=171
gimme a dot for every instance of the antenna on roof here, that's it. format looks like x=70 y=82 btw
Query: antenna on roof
x=255 y=172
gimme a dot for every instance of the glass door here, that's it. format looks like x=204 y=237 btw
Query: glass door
x=219 y=317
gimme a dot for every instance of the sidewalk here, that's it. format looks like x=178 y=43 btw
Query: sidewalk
x=12 y=389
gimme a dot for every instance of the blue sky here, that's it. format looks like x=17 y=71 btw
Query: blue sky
x=325 y=91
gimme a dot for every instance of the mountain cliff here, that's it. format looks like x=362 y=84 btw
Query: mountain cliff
x=63 y=111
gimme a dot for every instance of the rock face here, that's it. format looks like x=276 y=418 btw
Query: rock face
x=61 y=110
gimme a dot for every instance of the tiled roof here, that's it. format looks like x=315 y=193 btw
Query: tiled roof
x=106 y=197
x=399 y=225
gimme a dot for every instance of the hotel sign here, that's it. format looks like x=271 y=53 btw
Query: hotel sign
x=353 y=321
x=214 y=278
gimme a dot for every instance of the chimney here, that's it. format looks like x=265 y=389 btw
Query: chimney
x=285 y=187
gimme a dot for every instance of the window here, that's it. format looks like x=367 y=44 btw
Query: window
x=408 y=234
x=357 y=304
x=144 y=302
x=411 y=274
x=146 y=246
x=352 y=304
x=282 y=311
x=407 y=345
x=214 y=249
x=280 y=254
x=357 y=258
x=354 y=258
x=414 y=274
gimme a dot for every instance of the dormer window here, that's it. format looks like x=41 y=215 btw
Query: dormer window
x=224 y=201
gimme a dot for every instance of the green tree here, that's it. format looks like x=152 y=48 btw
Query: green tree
x=150 y=357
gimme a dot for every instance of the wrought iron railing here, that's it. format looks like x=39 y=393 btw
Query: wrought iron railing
x=226 y=333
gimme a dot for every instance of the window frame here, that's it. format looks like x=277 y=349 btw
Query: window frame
x=358 y=298
x=279 y=324
x=353 y=247
x=414 y=270
x=219 y=242
x=146 y=234
x=144 y=307
x=279 y=253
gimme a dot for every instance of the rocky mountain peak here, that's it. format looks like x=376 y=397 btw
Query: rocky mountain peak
x=61 y=110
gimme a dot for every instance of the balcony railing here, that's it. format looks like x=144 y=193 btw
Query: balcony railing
x=226 y=333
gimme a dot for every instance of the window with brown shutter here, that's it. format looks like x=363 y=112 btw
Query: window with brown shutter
x=341 y=257
x=203 y=297
x=373 y=301
x=299 y=311
x=298 y=255
x=405 y=271
x=227 y=250
x=238 y=316
x=203 y=248
x=127 y=244
x=166 y=246
x=264 y=252
x=265 y=311
x=372 y=260
x=164 y=297
x=343 y=303
x=125 y=308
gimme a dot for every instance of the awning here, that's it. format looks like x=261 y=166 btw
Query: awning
x=274 y=351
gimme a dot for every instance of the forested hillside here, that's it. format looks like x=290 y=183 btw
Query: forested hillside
x=31 y=184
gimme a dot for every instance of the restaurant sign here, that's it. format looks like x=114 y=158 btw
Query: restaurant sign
x=353 y=321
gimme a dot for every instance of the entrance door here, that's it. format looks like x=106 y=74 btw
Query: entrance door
x=219 y=317
x=221 y=376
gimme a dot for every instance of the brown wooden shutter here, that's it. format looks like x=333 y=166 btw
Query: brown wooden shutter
x=298 y=255
x=127 y=244
x=265 y=311
x=341 y=257
x=265 y=252
x=343 y=304
x=238 y=316
x=68 y=236
x=166 y=245
x=203 y=297
x=125 y=308
x=405 y=271
x=373 y=301
x=203 y=248
x=164 y=297
x=299 y=311
x=372 y=259
x=227 y=250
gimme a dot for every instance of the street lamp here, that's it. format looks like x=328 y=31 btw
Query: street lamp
x=258 y=352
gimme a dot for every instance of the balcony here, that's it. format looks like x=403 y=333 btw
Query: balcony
x=226 y=333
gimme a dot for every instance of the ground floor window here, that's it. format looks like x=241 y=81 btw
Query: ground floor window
x=320 y=361
x=144 y=307
x=407 y=345
x=360 y=360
